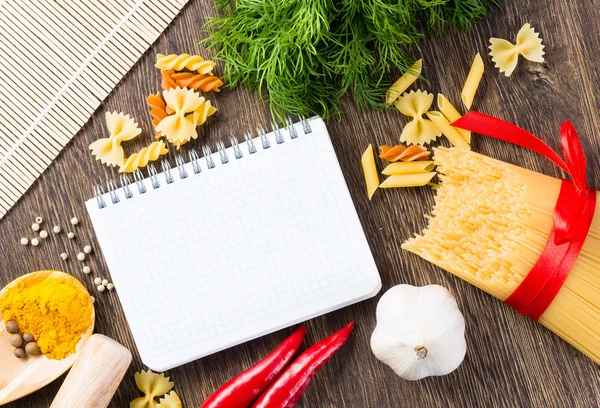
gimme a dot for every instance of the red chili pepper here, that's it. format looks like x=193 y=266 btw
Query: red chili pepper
x=290 y=385
x=240 y=391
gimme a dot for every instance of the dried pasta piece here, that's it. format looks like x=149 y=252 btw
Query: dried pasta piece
x=406 y=80
x=184 y=61
x=419 y=130
x=157 y=110
x=152 y=385
x=205 y=83
x=452 y=114
x=171 y=400
x=120 y=128
x=506 y=55
x=416 y=167
x=449 y=131
x=370 y=171
x=167 y=82
x=143 y=157
x=203 y=112
x=408 y=180
x=472 y=82
x=179 y=128
x=403 y=153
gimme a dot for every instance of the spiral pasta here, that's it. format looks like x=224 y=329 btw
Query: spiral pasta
x=143 y=157
x=419 y=130
x=157 y=110
x=121 y=128
x=403 y=153
x=184 y=61
x=206 y=83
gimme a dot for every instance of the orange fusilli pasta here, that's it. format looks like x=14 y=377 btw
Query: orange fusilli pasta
x=157 y=110
x=205 y=83
x=403 y=153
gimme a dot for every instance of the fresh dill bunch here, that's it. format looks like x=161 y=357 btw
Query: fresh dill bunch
x=303 y=56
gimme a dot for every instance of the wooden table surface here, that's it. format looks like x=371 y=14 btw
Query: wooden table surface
x=511 y=361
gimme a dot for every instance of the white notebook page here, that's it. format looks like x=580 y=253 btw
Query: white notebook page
x=236 y=251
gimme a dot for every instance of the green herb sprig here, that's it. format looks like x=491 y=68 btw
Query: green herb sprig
x=302 y=56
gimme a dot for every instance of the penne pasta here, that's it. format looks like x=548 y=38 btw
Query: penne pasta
x=452 y=114
x=472 y=82
x=404 y=82
x=449 y=131
x=370 y=171
x=415 y=167
x=407 y=180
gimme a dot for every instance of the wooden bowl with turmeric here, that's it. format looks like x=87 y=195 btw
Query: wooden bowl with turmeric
x=52 y=310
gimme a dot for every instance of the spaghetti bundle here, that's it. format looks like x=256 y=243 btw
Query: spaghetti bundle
x=490 y=224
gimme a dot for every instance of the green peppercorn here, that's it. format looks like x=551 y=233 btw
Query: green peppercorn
x=15 y=340
x=11 y=327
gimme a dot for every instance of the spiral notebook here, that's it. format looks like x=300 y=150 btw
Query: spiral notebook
x=233 y=245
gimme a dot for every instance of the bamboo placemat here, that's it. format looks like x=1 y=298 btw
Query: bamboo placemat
x=59 y=59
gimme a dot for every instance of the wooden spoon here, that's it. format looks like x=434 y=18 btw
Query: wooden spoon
x=20 y=377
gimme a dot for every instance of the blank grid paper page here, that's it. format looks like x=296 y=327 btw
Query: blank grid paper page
x=237 y=251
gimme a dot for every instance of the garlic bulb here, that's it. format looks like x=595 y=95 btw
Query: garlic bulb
x=420 y=331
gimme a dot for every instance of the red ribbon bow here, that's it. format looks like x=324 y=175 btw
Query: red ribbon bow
x=572 y=216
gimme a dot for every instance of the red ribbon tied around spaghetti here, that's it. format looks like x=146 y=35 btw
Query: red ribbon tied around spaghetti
x=572 y=216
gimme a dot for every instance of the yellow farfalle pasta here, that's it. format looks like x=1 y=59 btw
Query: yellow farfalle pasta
x=180 y=127
x=415 y=105
x=171 y=400
x=506 y=55
x=204 y=111
x=184 y=61
x=120 y=128
x=143 y=157
x=152 y=385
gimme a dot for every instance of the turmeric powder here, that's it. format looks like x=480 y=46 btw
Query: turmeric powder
x=54 y=309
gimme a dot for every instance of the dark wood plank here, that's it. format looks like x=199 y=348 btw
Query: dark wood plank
x=511 y=361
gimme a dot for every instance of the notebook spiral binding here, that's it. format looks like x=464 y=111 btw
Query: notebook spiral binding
x=194 y=159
